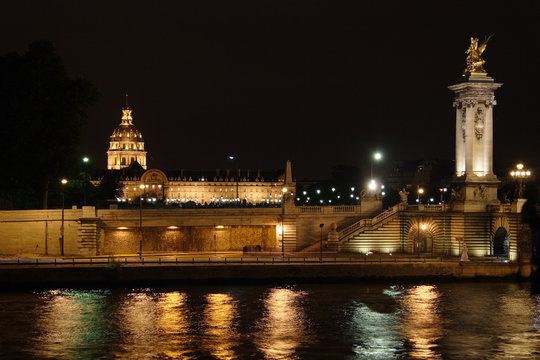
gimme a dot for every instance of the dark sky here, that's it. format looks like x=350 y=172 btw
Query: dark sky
x=319 y=83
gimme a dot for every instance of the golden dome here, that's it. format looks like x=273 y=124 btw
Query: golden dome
x=126 y=131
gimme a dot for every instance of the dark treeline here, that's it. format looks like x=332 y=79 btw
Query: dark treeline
x=42 y=110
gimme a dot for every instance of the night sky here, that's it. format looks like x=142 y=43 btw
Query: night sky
x=319 y=83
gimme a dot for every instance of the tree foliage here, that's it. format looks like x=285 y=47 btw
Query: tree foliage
x=42 y=110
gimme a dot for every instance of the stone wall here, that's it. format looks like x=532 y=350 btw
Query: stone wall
x=37 y=232
x=89 y=231
x=188 y=239
x=159 y=274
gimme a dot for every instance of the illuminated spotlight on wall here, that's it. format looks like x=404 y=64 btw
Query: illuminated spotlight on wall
x=220 y=227
x=122 y=228
x=172 y=227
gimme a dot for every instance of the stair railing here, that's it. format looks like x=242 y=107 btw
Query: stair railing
x=372 y=223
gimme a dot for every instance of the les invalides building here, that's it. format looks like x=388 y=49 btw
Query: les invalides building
x=126 y=158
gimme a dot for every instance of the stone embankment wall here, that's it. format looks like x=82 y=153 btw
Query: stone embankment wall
x=100 y=275
x=89 y=231
x=37 y=232
x=188 y=239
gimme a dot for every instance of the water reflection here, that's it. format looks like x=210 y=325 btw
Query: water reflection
x=352 y=321
x=152 y=324
x=173 y=323
x=374 y=321
x=517 y=316
x=137 y=324
x=72 y=323
x=421 y=324
x=220 y=322
x=283 y=326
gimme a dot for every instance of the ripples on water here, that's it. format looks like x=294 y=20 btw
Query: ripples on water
x=330 y=321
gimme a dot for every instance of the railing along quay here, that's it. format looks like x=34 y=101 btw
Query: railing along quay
x=235 y=260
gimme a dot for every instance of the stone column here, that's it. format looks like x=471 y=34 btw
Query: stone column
x=475 y=184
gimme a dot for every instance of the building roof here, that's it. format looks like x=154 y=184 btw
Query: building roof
x=135 y=171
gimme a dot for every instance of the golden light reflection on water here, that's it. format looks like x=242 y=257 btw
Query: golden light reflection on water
x=517 y=316
x=422 y=324
x=283 y=327
x=154 y=325
x=219 y=319
x=137 y=323
x=60 y=323
x=174 y=325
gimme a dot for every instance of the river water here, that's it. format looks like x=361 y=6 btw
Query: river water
x=461 y=320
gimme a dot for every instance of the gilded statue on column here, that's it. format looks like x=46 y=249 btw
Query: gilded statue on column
x=475 y=63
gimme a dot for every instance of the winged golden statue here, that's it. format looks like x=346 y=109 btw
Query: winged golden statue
x=475 y=63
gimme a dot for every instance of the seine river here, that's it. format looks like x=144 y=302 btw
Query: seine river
x=461 y=320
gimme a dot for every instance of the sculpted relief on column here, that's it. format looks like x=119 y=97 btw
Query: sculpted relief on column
x=479 y=122
x=464 y=122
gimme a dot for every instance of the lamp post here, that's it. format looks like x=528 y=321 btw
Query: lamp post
x=377 y=157
x=420 y=192
x=320 y=258
x=520 y=174
x=372 y=185
x=85 y=162
x=140 y=221
x=63 y=182
x=442 y=191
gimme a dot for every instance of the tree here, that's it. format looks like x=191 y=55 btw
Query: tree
x=41 y=113
x=109 y=188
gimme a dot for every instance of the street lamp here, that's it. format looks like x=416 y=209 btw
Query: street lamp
x=420 y=192
x=520 y=174
x=377 y=157
x=140 y=220
x=85 y=161
x=63 y=182
x=442 y=191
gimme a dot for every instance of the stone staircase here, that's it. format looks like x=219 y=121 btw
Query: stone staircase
x=289 y=233
x=315 y=247
x=88 y=232
x=380 y=233
x=349 y=238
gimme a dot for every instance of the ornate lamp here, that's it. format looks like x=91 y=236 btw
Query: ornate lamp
x=520 y=173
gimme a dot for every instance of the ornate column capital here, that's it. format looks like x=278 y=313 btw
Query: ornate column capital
x=490 y=103
x=470 y=102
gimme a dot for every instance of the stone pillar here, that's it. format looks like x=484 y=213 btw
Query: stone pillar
x=475 y=184
x=517 y=205
x=333 y=238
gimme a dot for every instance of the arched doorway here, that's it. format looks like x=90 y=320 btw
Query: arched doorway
x=424 y=242
x=422 y=236
x=501 y=242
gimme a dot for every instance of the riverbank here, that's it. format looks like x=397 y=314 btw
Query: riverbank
x=118 y=274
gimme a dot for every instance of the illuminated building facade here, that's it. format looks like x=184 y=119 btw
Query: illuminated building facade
x=203 y=187
x=127 y=159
